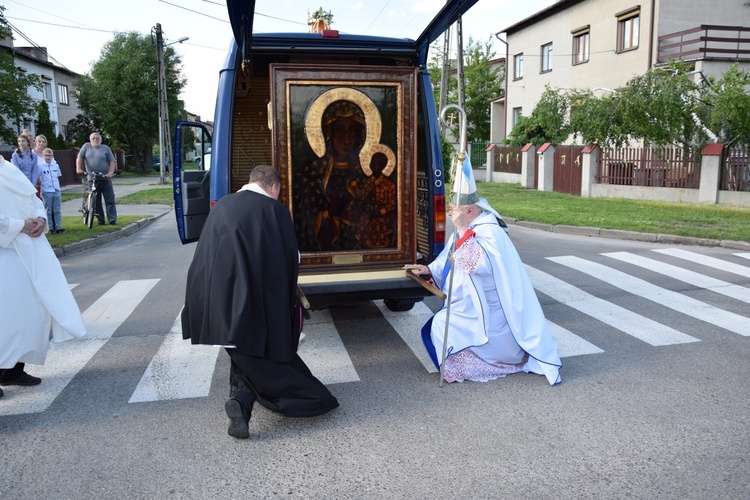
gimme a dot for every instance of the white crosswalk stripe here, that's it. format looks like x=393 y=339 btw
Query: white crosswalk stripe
x=673 y=300
x=180 y=370
x=409 y=327
x=722 y=287
x=113 y=308
x=706 y=260
x=64 y=361
x=633 y=324
x=324 y=352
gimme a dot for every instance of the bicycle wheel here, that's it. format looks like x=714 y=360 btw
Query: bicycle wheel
x=85 y=208
x=91 y=202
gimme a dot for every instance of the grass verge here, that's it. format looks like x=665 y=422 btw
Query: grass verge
x=720 y=222
x=76 y=231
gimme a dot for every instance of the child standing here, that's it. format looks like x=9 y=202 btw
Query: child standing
x=50 y=173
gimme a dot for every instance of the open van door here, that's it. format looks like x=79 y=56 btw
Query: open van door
x=191 y=177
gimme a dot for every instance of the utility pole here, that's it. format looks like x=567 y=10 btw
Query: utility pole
x=164 y=135
x=444 y=75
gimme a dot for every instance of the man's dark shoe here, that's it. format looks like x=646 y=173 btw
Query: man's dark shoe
x=238 y=419
x=23 y=379
x=100 y=223
x=60 y=231
x=113 y=223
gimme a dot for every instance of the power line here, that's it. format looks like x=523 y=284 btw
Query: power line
x=63 y=25
x=375 y=18
x=193 y=11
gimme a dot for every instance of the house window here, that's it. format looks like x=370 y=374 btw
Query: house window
x=62 y=94
x=628 y=30
x=516 y=115
x=518 y=66
x=580 y=47
x=47 y=91
x=547 y=57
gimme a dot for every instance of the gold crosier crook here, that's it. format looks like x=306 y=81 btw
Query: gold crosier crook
x=458 y=178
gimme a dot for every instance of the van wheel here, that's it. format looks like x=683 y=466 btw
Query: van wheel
x=396 y=305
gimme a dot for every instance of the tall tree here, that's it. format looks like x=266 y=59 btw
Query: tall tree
x=483 y=84
x=727 y=107
x=15 y=100
x=120 y=94
x=44 y=124
x=548 y=121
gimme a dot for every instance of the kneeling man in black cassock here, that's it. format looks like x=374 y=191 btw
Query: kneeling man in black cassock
x=241 y=294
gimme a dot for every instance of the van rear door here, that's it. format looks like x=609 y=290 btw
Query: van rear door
x=191 y=177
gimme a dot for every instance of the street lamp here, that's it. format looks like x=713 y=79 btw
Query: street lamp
x=164 y=136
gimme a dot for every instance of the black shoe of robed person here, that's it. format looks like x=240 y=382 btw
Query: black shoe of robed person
x=100 y=223
x=239 y=406
x=23 y=379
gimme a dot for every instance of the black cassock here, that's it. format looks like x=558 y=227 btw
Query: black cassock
x=241 y=292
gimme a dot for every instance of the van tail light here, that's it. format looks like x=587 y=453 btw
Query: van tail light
x=439 y=204
x=213 y=202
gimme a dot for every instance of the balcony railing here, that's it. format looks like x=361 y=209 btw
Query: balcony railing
x=730 y=43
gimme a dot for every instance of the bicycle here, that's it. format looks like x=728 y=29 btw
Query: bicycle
x=88 y=205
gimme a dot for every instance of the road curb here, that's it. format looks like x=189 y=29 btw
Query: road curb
x=103 y=239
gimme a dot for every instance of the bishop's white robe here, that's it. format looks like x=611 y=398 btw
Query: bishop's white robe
x=494 y=309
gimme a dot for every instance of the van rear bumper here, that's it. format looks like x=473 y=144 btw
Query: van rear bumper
x=325 y=289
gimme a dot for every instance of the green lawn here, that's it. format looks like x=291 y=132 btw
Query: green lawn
x=75 y=230
x=684 y=219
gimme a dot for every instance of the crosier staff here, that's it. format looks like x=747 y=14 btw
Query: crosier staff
x=458 y=162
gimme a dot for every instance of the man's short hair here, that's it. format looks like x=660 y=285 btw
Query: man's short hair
x=265 y=175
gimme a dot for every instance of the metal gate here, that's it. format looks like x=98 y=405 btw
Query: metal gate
x=568 y=168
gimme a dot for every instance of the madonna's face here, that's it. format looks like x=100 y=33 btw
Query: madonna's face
x=346 y=135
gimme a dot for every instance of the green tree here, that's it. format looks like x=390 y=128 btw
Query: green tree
x=483 y=84
x=44 y=125
x=14 y=97
x=727 y=107
x=548 y=121
x=598 y=120
x=120 y=94
x=660 y=105
x=664 y=106
x=79 y=129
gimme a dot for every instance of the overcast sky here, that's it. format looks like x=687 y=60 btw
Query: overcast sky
x=75 y=31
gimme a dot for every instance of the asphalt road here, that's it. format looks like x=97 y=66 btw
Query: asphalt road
x=654 y=401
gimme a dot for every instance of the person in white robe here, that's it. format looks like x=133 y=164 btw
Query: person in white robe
x=36 y=304
x=496 y=323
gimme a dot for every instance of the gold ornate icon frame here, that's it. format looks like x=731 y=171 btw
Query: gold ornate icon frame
x=300 y=95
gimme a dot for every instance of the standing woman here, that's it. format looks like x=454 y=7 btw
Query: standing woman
x=40 y=142
x=26 y=160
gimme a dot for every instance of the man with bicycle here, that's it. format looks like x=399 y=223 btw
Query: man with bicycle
x=96 y=157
